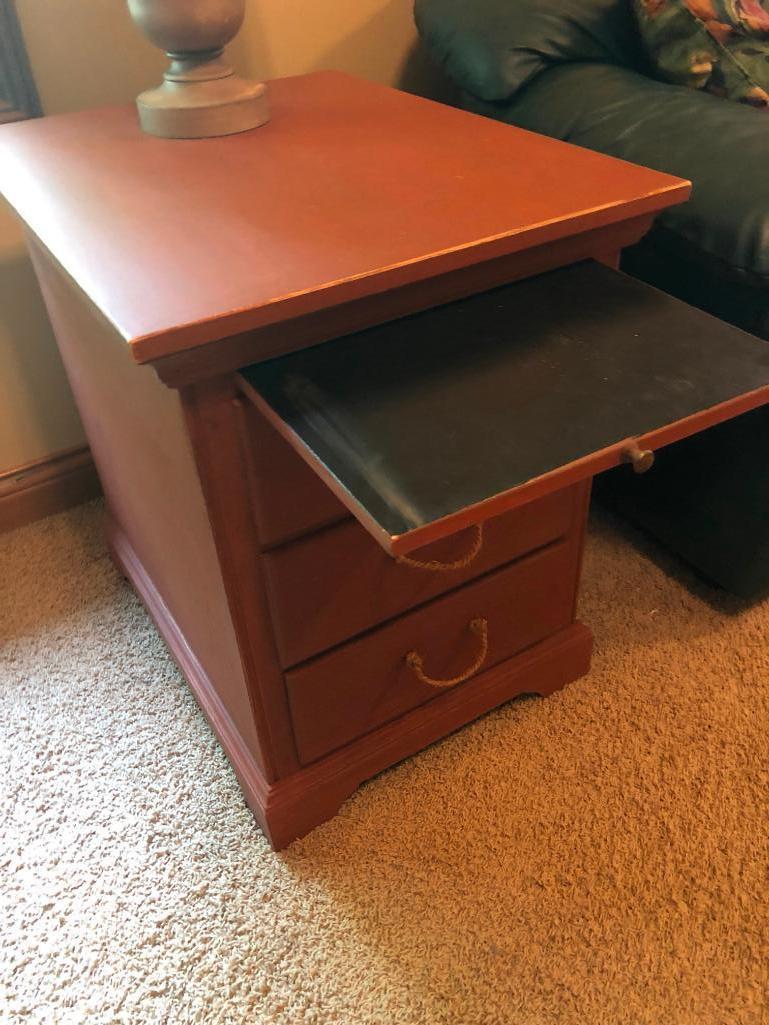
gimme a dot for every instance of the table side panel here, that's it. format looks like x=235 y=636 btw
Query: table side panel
x=140 y=444
x=215 y=416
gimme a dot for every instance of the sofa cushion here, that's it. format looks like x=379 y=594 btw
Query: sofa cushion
x=491 y=48
x=722 y=147
x=718 y=45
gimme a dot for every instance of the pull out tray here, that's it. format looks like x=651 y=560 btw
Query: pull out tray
x=430 y=423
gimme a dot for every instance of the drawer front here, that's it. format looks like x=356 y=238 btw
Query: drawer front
x=289 y=499
x=338 y=583
x=366 y=683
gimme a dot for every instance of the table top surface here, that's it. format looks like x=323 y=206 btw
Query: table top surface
x=351 y=189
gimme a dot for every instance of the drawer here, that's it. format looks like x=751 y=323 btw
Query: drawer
x=352 y=690
x=289 y=499
x=337 y=583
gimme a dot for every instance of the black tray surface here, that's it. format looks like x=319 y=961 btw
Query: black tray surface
x=424 y=416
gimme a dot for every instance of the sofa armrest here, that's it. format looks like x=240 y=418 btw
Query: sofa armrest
x=722 y=147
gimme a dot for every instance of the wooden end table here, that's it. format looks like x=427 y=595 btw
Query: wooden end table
x=353 y=548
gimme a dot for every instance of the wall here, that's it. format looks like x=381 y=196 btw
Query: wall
x=87 y=53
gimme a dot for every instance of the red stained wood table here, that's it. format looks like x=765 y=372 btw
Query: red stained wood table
x=317 y=579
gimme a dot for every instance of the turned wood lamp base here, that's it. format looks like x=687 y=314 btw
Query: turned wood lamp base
x=200 y=96
x=235 y=105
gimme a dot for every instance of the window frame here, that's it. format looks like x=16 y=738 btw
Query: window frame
x=18 y=94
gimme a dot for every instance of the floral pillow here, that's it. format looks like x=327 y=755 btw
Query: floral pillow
x=718 y=45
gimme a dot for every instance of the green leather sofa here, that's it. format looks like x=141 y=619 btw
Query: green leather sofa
x=575 y=70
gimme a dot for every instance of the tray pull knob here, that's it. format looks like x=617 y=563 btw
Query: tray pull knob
x=642 y=459
x=414 y=661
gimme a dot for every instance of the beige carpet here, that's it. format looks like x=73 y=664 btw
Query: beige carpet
x=597 y=857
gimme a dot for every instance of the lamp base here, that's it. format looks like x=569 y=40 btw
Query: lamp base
x=200 y=100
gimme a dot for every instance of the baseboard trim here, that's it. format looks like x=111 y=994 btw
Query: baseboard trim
x=46 y=486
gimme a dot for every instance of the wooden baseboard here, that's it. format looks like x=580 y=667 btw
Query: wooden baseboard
x=47 y=486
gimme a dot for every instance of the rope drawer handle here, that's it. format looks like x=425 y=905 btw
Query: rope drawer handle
x=415 y=663
x=446 y=567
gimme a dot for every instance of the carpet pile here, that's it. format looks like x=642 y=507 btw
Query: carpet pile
x=597 y=858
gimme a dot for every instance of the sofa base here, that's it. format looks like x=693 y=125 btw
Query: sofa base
x=706 y=499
